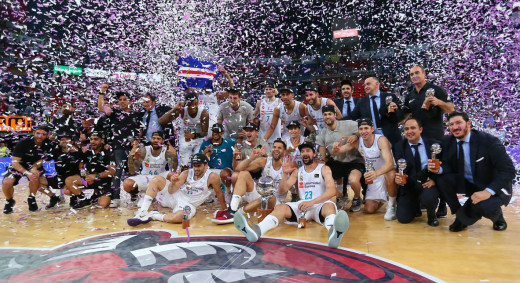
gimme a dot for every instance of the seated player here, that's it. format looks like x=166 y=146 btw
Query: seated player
x=295 y=139
x=315 y=188
x=189 y=189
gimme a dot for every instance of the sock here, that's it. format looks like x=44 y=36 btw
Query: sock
x=329 y=221
x=391 y=201
x=339 y=187
x=158 y=216
x=147 y=201
x=235 y=202
x=267 y=224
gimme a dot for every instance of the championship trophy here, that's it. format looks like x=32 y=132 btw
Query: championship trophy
x=401 y=165
x=239 y=147
x=185 y=217
x=436 y=149
x=388 y=100
x=188 y=129
x=369 y=166
x=429 y=93
x=266 y=187
x=302 y=221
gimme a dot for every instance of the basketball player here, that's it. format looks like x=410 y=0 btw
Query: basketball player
x=153 y=159
x=315 y=105
x=265 y=109
x=183 y=193
x=294 y=141
x=315 y=188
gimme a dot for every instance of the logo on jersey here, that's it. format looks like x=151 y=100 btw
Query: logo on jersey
x=161 y=256
x=316 y=175
x=300 y=185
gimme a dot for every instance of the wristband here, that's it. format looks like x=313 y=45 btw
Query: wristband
x=26 y=172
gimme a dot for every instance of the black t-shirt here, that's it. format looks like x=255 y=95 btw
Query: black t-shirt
x=123 y=125
x=67 y=163
x=98 y=162
x=29 y=152
x=66 y=125
x=432 y=120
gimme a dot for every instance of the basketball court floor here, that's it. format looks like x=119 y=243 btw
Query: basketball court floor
x=97 y=245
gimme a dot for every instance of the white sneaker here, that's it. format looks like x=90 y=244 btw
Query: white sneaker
x=341 y=224
x=390 y=213
x=114 y=203
x=141 y=217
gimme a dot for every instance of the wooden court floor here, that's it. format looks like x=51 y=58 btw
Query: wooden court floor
x=478 y=254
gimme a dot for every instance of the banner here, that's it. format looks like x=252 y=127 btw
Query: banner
x=5 y=162
x=68 y=70
x=195 y=73
x=15 y=123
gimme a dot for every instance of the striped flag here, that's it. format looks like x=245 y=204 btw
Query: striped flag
x=195 y=73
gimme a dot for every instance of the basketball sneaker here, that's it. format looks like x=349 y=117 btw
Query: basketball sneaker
x=223 y=217
x=53 y=201
x=141 y=217
x=341 y=224
x=248 y=228
x=31 y=201
x=390 y=213
x=8 y=208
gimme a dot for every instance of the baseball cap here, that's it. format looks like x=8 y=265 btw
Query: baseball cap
x=199 y=158
x=365 y=121
x=98 y=134
x=293 y=123
x=158 y=133
x=286 y=87
x=328 y=108
x=307 y=144
x=217 y=128
x=311 y=87
x=250 y=125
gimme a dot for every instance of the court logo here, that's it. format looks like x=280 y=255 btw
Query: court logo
x=157 y=256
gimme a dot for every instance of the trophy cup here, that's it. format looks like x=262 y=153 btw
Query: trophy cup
x=369 y=166
x=188 y=129
x=388 y=100
x=401 y=165
x=436 y=149
x=429 y=93
x=185 y=217
x=302 y=221
x=266 y=187
x=239 y=147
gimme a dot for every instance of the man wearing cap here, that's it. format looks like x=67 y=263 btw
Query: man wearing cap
x=66 y=123
x=234 y=114
x=376 y=150
x=27 y=160
x=251 y=142
x=476 y=164
x=315 y=105
x=347 y=167
x=183 y=193
x=382 y=108
x=195 y=120
x=295 y=139
x=315 y=188
x=288 y=110
x=219 y=151
x=99 y=168
x=152 y=159
x=124 y=127
x=346 y=103
x=265 y=109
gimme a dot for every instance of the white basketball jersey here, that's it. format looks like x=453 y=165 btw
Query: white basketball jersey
x=318 y=115
x=285 y=118
x=196 y=190
x=372 y=153
x=192 y=123
x=296 y=153
x=266 y=117
x=311 y=185
x=153 y=165
x=210 y=103
x=273 y=173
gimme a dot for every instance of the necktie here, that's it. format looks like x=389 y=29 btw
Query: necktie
x=148 y=119
x=460 y=159
x=349 y=110
x=377 y=122
x=417 y=156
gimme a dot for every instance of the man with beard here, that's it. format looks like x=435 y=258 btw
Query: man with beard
x=251 y=142
x=99 y=167
x=346 y=103
x=316 y=104
x=27 y=160
x=476 y=164
x=66 y=123
x=234 y=114
x=149 y=119
x=153 y=160
x=123 y=124
x=294 y=141
x=315 y=188
x=186 y=190
x=194 y=127
x=265 y=109
x=347 y=166
x=376 y=150
x=219 y=151
x=287 y=111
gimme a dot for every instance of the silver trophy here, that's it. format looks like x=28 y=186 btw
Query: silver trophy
x=436 y=149
x=266 y=188
x=429 y=93
x=388 y=100
x=239 y=147
x=186 y=217
x=401 y=165
x=369 y=166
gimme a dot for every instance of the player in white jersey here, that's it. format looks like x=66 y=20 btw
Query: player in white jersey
x=153 y=160
x=315 y=187
x=288 y=110
x=182 y=193
x=315 y=105
x=294 y=141
x=195 y=120
x=376 y=150
x=265 y=109
x=209 y=101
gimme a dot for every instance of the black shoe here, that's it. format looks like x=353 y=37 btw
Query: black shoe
x=500 y=224
x=418 y=213
x=81 y=202
x=53 y=201
x=456 y=226
x=432 y=219
x=73 y=200
x=8 y=208
x=31 y=201
x=134 y=196
x=442 y=211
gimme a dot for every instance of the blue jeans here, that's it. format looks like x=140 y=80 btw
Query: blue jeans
x=121 y=157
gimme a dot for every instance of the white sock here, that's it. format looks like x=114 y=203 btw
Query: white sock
x=147 y=201
x=158 y=216
x=391 y=201
x=339 y=187
x=235 y=202
x=267 y=224
x=329 y=221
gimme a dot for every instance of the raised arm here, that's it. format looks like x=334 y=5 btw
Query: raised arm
x=176 y=181
x=135 y=158
x=105 y=109
x=289 y=176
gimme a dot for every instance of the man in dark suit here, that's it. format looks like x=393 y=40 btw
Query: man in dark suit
x=476 y=164
x=420 y=187
x=382 y=108
x=149 y=119
x=346 y=103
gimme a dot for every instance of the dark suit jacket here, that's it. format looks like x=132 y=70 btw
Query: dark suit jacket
x=388 y=120
x=169 y=133
x=490 y=165
x=340 y=102
x=402 y=149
